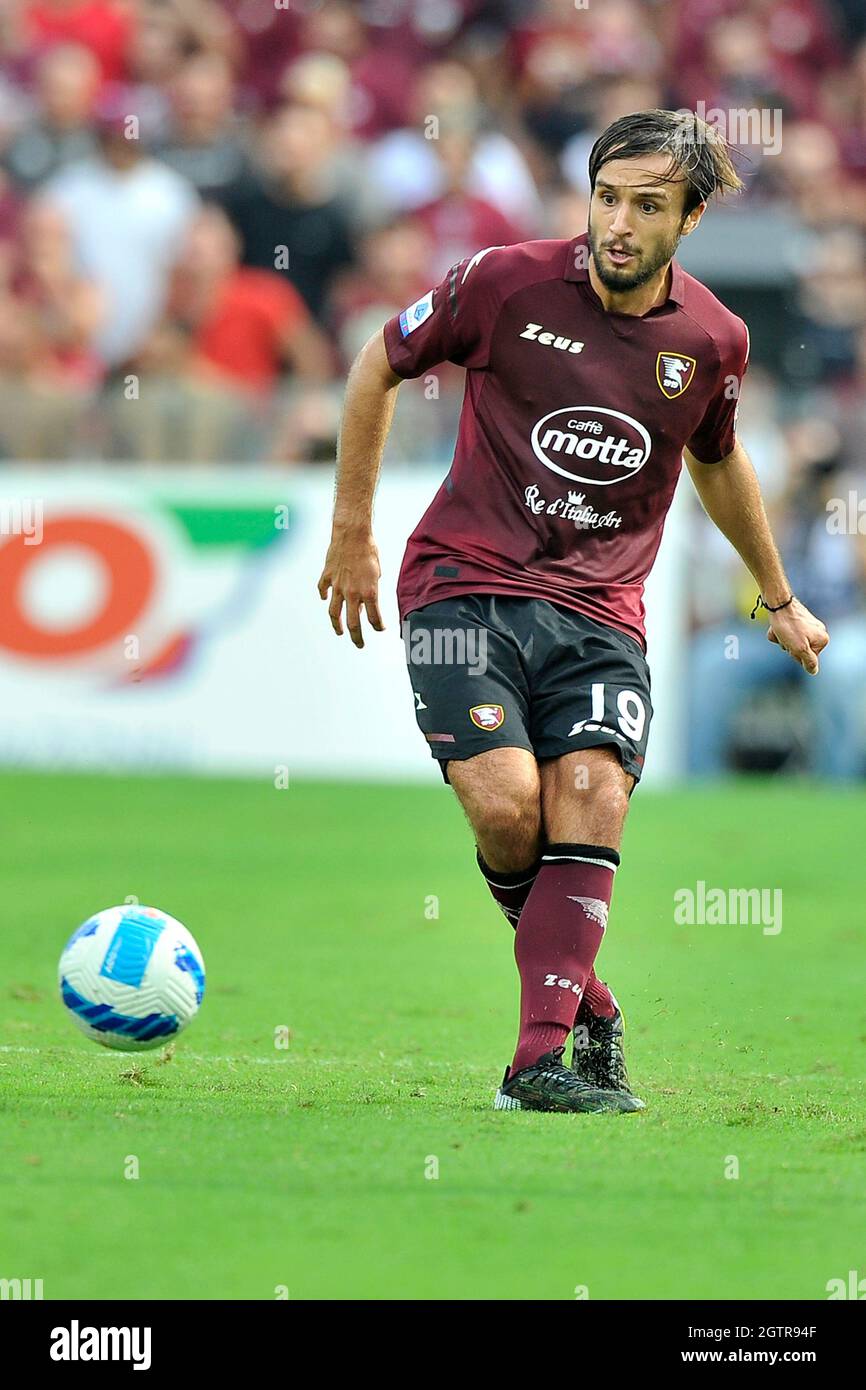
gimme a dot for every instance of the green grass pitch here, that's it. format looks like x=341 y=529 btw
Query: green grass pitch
x=310 y=1167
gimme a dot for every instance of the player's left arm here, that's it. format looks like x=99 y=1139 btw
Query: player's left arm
x=731 y=497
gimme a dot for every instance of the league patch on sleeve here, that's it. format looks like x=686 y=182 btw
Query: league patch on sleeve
x=416 y=314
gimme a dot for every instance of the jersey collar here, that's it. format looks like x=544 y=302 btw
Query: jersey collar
x=574 y=270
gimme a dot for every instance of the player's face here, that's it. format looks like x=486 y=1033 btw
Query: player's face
x=636 y=221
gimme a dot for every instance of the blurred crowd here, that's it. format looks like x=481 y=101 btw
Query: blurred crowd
x=206 y=207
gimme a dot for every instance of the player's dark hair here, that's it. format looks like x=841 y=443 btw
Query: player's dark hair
x=697 y=150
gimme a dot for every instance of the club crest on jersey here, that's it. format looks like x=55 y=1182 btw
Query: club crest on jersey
x=674 y=372
x=487 y=717
x=416 y=314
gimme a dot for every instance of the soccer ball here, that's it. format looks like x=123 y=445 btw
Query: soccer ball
x=131 y=977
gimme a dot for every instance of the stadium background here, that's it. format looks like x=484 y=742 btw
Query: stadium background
x=205 y=209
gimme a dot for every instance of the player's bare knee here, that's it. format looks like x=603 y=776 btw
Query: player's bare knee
x=508 y=830
x=586 y=796
x=607 y=792
x=610 y=806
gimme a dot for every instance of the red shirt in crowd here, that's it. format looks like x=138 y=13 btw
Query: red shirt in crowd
x=244 y=333
x=100 y=25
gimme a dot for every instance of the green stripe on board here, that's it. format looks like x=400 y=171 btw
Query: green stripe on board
x=250 y=526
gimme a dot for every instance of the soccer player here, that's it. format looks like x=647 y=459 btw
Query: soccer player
x=592 y=366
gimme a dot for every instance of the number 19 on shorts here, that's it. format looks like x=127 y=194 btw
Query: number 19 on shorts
x=619 y=712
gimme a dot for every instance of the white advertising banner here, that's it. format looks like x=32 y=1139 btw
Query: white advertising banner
x=169 y=619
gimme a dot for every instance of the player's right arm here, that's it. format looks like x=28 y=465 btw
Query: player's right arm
x=352 y=570
x=451 y=323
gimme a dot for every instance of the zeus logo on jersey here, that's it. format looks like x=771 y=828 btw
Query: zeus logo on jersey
x=416 y=314
x=607 y=445
x=533 y=331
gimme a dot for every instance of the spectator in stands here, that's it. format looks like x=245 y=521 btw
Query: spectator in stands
x=719 y=47
x=846 y=403
x=827 y=569
x=739 y=70
x=156 y=54
x=420 y=32
x=844 y=109
x=381 y=78
x=393 y=271
x=126 y=213
x=459 y=222
x=67 y=83
x=204 y=144
x=565 y=211
x=830 y=308
x=561 y=57
x=513 y=92
x=553 y=70
x=402 y=170
x=11 y=208
x=269 y=39
x=321 y=81
x=49 y=374
x=158 y=48
x=288 y=217
x=103 y=26
x=809 y=175
x=240 y=326
x=64 y=310
x=608 y=102
x=167 y=34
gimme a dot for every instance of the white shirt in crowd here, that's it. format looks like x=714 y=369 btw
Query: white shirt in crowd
x=127 y=227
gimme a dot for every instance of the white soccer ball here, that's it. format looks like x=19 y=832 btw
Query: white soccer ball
x=131 y=977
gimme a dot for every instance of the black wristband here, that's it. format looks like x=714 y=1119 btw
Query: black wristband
x=759 y=603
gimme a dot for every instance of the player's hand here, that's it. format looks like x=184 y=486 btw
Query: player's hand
x=351 y=576
x=800 y=634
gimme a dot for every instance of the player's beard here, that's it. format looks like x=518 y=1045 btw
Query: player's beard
x=621 y=280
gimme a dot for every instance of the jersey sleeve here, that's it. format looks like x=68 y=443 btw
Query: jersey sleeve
x=716 y=435
x=451 y=323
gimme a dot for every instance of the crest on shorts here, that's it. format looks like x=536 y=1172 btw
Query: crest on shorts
x=674 y=372
x=487 y=717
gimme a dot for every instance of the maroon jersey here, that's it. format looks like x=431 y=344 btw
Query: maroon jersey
x=572 y=431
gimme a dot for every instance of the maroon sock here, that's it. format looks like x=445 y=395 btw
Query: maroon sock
x=511 y=891
x=558 y=936
x=597 y=998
